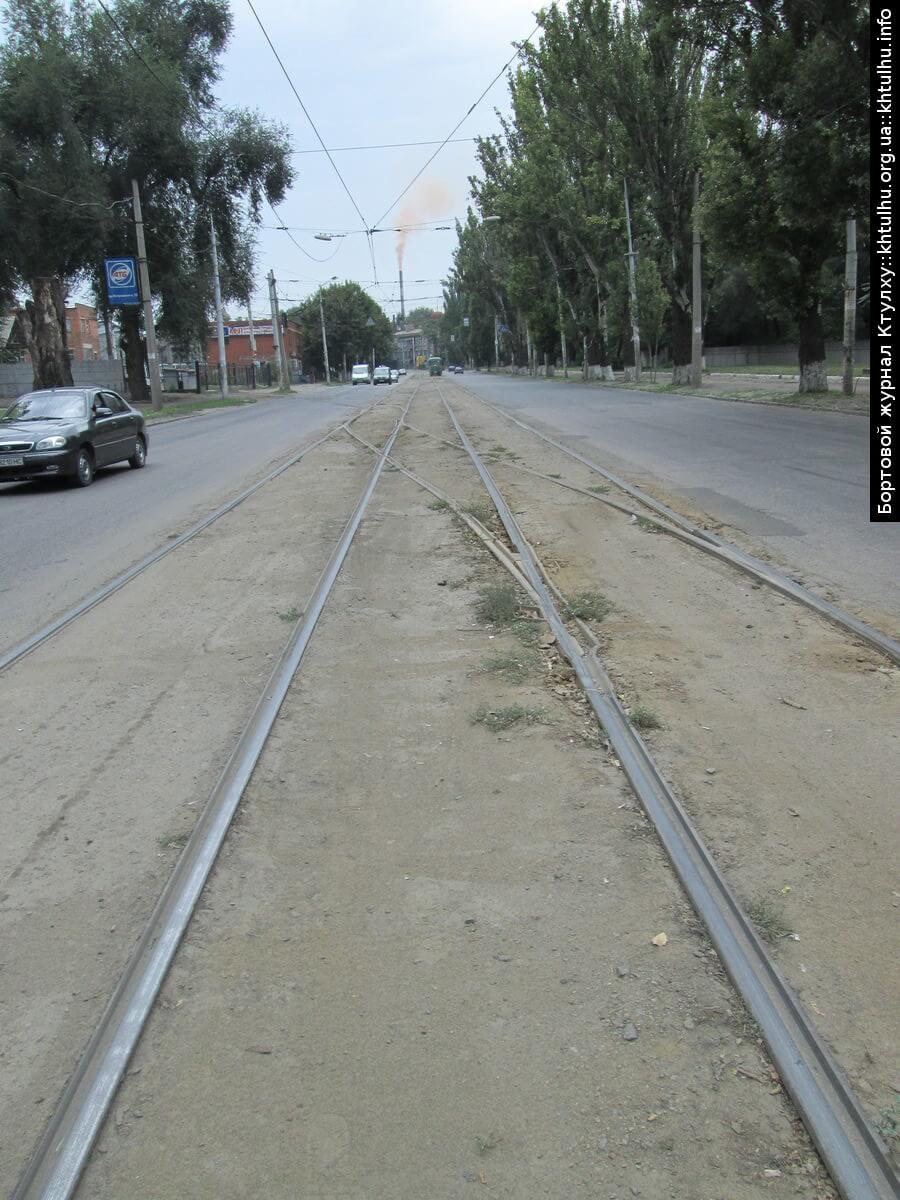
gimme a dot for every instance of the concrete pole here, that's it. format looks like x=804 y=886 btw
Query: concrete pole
x=284 y=379
x=220 y=327
x=496 y=341
x=849 y=306
x=324 y=340
x=149 y=327
x=252 y=330
x=632 y=292
x=697 y=296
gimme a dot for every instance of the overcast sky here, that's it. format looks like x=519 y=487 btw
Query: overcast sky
x=371 y=74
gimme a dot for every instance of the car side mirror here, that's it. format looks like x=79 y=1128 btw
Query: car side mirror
x=102 y=411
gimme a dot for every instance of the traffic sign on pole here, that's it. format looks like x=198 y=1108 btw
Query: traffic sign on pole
x=121 y=281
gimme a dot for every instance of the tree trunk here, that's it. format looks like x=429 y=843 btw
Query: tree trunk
x=813 y=371
x=43 y=324
x=133 y=346
x=606 y=371
x=682 y=335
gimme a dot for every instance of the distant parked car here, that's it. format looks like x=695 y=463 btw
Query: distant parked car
x=382 y=375
x=69 y=433
x=360 y=374
x=402 y=371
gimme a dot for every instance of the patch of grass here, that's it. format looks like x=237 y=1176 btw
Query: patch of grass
x=514 y=667
x=173 y=841
x=528 y=632
x=599 y=489
x=498 y=604
x=503 y=451
x=438 y=505
x=484 y=1143
x=643 y=717
x=290 y=615
x=647 y=525
x=588 y=605
x=768 y=918
x=499 y=719
x=888 y=1123
x=481 y=510
x=191 y=406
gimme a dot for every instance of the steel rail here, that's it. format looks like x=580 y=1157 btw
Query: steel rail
x=834 y=1118
x=724 y=550
x=17 y=652
x=56 y=1166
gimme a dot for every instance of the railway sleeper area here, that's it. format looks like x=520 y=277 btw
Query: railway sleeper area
x=442 y=951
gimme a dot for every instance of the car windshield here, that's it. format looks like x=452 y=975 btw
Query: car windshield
x=46 y=406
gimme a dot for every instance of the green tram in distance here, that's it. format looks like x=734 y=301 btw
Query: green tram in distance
x=435 y=365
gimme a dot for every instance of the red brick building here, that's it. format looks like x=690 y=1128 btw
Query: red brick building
x=82 y=333
x=237 y=343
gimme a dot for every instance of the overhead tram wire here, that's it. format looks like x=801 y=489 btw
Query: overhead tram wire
x=204 y=122
x=312 y=123
x=20 y=183
x=285 y=229
x=467 y=114
x=382 y=146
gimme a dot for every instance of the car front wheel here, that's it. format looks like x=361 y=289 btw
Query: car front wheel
x=139 y=458
x=84 y=469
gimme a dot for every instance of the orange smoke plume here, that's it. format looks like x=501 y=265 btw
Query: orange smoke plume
x=429 y=200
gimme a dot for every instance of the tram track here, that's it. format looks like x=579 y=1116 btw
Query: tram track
x=57 y=1164
x=704 y=539
x=836 y=1121
x=832 y=1114
x=21 y=649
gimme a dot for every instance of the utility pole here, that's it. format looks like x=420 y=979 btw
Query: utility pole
x=284 y=378
x=252 y=330
x=632 y=293
x=697 y=296
x=496 y=341
x=849 y=306
x=149 y=327
x=220 y=328
x=324 y=340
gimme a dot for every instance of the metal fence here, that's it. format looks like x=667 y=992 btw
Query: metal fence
x=240 y=375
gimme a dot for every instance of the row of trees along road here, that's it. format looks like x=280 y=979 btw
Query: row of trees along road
x=80 y=117
x=765 y=102
x=347 y=311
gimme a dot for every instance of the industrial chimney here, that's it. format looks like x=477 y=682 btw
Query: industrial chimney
x=402 y=302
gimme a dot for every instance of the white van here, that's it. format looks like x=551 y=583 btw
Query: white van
x=360 y=374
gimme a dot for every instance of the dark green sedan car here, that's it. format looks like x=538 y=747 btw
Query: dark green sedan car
x=69 y=433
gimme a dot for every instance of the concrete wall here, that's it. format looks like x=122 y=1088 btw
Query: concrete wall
x=776 y=355
x=16 y=378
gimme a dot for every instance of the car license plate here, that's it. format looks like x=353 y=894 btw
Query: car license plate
x=12 y=460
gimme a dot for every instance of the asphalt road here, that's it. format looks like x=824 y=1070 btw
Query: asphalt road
x=60 y=543
x=795 y=482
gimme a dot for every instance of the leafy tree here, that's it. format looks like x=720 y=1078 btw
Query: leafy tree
x=80 y=116
x=351 y=339
x=788 y=116
x=427 y=320
x=653 y=303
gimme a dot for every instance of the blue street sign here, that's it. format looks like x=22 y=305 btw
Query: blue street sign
x=121 y=281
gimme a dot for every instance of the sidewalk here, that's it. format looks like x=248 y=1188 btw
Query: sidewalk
x=751 y=389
